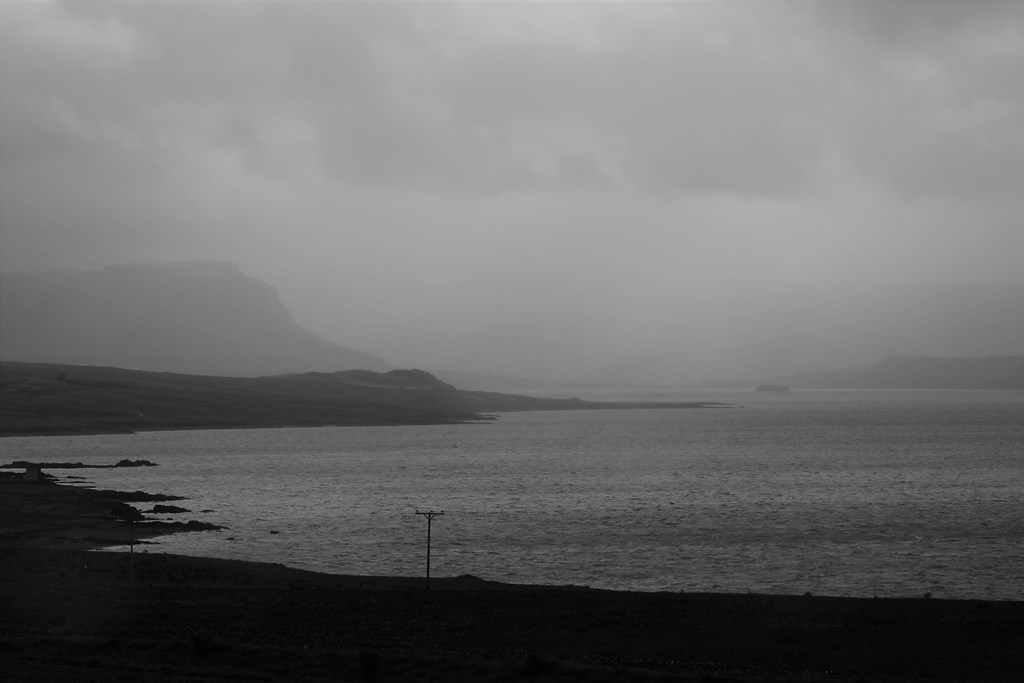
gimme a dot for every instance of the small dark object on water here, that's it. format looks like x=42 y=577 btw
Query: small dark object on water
x=167 y=509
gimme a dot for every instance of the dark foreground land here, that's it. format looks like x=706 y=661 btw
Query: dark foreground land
x=69 y=614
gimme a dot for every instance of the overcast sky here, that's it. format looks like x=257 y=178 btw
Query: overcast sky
x=525 y=187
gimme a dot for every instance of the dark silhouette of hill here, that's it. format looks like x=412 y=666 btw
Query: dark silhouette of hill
x=38 y=398
x=43 y=398
x=198 y=317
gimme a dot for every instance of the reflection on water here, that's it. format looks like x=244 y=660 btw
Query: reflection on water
x=847 y=493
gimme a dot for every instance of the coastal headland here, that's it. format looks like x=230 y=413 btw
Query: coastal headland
x=50 y=399
x=70 y=614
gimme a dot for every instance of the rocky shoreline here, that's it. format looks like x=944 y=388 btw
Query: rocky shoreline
x=67 y=613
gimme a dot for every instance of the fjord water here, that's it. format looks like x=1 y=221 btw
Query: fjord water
x=839 y=493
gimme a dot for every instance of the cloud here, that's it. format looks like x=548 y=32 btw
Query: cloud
x=373 y=97
x=933 y=92
x=913 y=25
x=676 y=100
x=594 y=179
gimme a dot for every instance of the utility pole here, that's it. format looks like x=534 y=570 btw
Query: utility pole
x=430 y=514
x=131 y=548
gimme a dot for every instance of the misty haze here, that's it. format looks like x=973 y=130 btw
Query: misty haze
x=679 y=310
x=628 y=192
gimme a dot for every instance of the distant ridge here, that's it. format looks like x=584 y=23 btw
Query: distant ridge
x=475 y=381
x=202 y=317
x=918 y=372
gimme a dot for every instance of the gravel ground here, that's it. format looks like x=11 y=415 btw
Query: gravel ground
x=70 y=614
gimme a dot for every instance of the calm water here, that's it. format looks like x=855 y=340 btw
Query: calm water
x=842 y=493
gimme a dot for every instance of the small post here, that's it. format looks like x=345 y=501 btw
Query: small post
x=127 y=513
x=430 y=514
x=131 y=548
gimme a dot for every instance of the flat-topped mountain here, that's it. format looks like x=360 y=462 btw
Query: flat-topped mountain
x=197 y=317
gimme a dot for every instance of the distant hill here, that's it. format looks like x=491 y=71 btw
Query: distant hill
x=197 y=317
x=475 y=381
x=772 y=330
x=37 y=398
x=43 y=398
x=918 y=372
